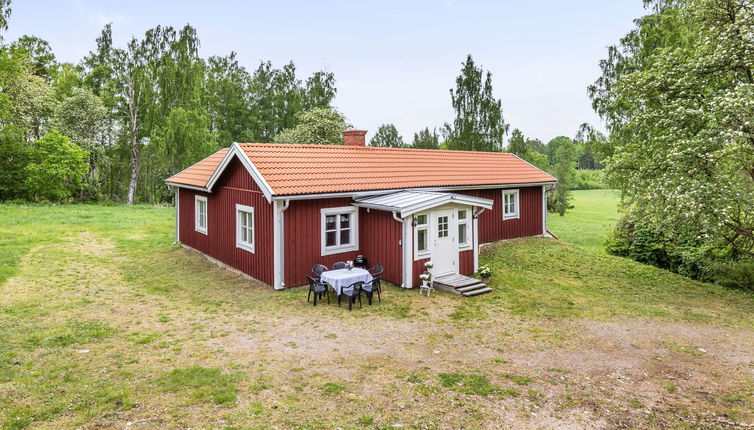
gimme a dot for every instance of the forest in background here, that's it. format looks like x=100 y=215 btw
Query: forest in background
x=114 y=125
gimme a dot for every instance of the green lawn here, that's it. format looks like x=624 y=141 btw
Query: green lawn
x=105 y=322
x=588 y=223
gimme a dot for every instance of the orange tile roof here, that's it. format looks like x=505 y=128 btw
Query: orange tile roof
x=311 y=169
x=198 y=174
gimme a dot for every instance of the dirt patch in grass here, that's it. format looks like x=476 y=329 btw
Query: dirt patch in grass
x=103 y=332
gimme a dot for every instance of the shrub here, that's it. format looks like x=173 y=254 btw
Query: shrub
x=735 y=274
x=589 y=180
x=485 y=271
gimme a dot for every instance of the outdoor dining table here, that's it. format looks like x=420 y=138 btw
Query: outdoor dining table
x=342 y=278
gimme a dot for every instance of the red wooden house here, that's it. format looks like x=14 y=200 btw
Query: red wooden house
x=272 y=211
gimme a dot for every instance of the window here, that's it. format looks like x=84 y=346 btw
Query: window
x=510 y=204
x=245 y=227
x=463 y=228
x=340 y=230
x=421 y=235
x=442 y=226
x=200 y=214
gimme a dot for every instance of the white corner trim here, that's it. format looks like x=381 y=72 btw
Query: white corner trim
x=236 y=150
x=544 y=210
x=354 y=229
x=278 y=249
x=517 y=214
x=239 y=243
x=177 y=215
x=197 y=227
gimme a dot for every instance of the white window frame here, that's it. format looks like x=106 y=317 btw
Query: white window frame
x=249 y=245
x=467 y=222
x=517 y=213
x=420 y=255
x=338 y=249
x=197 y=227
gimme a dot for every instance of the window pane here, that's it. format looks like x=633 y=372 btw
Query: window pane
x=421 y=219
x=345 y=237
x=421 y=240
x=345 y=220
x=330 y=222
x=442 y=226
x=461 y=233
x=244 y=235
x=330 y=238
x=462 y=214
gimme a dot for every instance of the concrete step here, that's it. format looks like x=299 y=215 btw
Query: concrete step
x=476 y=286
x=477 y=292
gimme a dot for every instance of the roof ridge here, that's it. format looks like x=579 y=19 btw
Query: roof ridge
x=371 y=148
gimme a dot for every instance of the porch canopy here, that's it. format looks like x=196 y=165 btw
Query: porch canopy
x=407 y=203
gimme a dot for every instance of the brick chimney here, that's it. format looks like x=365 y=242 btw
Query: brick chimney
x=354 y=137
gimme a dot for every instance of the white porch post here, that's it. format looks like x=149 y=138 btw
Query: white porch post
x=278 y=245
x=177 y=205
x=408 y=252
x=475 y=239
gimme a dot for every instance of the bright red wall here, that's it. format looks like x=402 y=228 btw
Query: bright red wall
x=379 y=240
x=492 y=227
x=234 y=186
x=379 y=235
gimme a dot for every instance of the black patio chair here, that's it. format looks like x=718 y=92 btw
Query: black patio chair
x=352 y=292
x=371 y=287
x=376 y=270
x=317 y=270
x=318 y=288
x=339 y=265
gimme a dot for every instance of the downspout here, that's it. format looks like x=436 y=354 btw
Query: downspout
x=406 y=248
x=279 y=242
x=475 y=228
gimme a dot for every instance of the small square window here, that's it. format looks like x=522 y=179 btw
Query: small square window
x=339 y=230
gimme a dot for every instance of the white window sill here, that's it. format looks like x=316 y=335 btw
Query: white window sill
x=422 y=256
x=339 y=250
x=202 y=231
x=507 y=217
x=465 y=247
x=245 y=247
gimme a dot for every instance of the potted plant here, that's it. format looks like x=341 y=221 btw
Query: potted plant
x=349 y=264
x=484 y=272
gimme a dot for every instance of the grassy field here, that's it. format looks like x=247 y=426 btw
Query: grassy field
x=106 y=324
x=588 y=223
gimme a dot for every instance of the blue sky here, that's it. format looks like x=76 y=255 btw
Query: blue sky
x=394 y=60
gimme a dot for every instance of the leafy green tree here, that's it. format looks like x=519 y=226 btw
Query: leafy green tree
x=31 y=102
x=319 y=126
x=227 y=94
x=564 y=168
x=40 y=54
x=81 y=117
x=276 y=97
x=320 y=90
x=56 y=169
x=518 y=144
x=678 y=102
x=479 y=123
x=426 y=139
x=5 y=11
x=386 y=136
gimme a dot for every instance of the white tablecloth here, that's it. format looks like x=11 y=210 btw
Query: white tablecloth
x=342 y=278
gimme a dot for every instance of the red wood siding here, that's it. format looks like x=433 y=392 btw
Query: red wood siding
x=466 y=262
x=379 y=234
x=492 y=227
x=379 y=240
x=235 y=186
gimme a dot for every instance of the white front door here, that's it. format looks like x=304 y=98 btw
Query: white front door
x=444 y=249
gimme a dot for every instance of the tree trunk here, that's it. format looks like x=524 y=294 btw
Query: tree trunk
x=134 y=169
